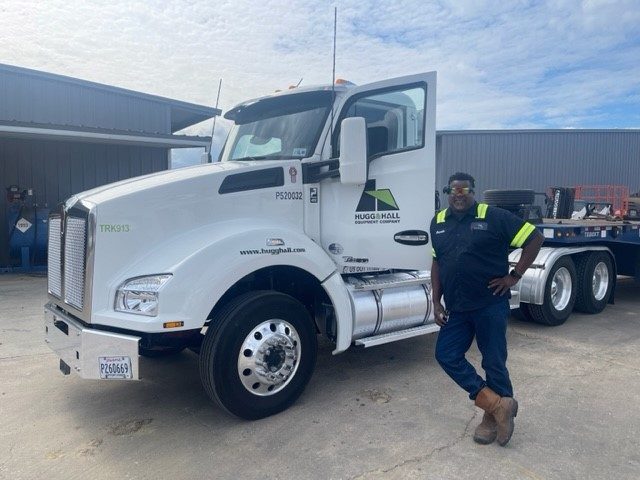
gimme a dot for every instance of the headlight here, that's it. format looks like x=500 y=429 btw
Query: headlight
x=140 y=295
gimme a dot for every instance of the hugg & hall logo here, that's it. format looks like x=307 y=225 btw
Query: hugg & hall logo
x=380 y=206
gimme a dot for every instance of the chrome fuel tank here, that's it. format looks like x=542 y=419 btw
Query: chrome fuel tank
x=389 y=302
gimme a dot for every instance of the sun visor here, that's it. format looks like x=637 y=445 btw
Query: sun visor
x=276 y=105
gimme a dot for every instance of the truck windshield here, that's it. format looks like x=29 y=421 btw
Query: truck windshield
x=281 y=127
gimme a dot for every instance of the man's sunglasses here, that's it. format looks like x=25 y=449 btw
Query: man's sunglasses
x=457 y=190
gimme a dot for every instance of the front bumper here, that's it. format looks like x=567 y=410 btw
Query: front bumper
x=81 y=348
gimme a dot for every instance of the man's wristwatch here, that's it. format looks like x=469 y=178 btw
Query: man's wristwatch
x=514 y=273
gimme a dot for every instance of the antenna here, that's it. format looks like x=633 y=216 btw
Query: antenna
x=213 y=128
x=333 y=80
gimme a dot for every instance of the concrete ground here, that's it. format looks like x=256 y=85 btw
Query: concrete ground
x=387 y=412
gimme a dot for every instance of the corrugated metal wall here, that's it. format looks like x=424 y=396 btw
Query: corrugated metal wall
x=37 y=99
x=497 y=159
x=540 y=159
x=57 y=170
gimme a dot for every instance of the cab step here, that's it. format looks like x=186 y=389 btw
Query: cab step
x=420 y=278
x=399 y=335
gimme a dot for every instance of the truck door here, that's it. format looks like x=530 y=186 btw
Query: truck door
x=383 y=224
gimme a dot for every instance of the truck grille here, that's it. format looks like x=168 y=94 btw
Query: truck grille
x=74 y=255
x=67 y=251
x=54 y=249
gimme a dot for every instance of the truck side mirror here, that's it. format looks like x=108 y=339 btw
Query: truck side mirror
x=353 y=151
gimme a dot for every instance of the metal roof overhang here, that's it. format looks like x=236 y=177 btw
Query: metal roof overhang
x=182 y=114
x=114 y=137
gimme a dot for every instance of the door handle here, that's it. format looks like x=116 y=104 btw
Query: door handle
x=412 y=237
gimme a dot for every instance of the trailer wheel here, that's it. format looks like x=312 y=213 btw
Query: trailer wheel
x=258 y=354
x=595 y=281
x=525 y=313
x=559 y=295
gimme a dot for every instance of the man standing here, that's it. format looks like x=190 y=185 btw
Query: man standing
x=471 y=244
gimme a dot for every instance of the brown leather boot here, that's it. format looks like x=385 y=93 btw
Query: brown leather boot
x=503 y=409
x=487 y=430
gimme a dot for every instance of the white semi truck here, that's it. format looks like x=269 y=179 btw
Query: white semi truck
x=314 y=222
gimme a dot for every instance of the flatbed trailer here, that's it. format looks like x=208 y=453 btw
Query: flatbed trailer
x=576 y=268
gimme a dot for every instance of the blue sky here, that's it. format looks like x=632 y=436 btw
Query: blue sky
x=501 y=64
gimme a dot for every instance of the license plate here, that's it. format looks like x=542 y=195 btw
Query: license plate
x=115 y=367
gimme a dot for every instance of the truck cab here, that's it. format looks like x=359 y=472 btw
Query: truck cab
x=358 y=218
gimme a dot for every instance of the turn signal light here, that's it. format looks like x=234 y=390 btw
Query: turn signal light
x=172 y=324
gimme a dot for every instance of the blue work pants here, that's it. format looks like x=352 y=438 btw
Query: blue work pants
x=489 y=326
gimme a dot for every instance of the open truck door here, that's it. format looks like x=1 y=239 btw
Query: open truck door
x=383 y=222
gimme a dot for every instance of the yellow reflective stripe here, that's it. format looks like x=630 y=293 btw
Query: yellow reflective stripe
x=441 y=216
x=522 y=235
x=482 y=210
x=433 y=252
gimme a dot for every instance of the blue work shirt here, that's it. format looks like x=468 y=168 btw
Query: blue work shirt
x=472 y=249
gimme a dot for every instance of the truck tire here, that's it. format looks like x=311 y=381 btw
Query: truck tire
x=594 y=272
x=509 y=197
x=525 y=313
x=559 y=294
x=258 y=354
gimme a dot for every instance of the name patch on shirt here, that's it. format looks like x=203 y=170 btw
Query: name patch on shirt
x=479 y=226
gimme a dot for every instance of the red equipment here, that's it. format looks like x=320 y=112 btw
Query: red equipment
x=615 y=195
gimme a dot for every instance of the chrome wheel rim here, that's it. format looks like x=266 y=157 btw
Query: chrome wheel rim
x=269 y=357
x=600 y=281
x=561 y=289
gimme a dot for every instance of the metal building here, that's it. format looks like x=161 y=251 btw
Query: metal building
x=538 y=159
x=61 y=135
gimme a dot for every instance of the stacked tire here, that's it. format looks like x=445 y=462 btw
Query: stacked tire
x=509 y=198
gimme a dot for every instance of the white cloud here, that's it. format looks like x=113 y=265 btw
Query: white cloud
x=553 y=64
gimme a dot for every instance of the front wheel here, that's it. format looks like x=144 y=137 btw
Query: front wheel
x=258 y=354
x=559 y=294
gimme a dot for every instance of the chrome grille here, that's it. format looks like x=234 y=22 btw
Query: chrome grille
x=75 y=237
x=54 y=250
